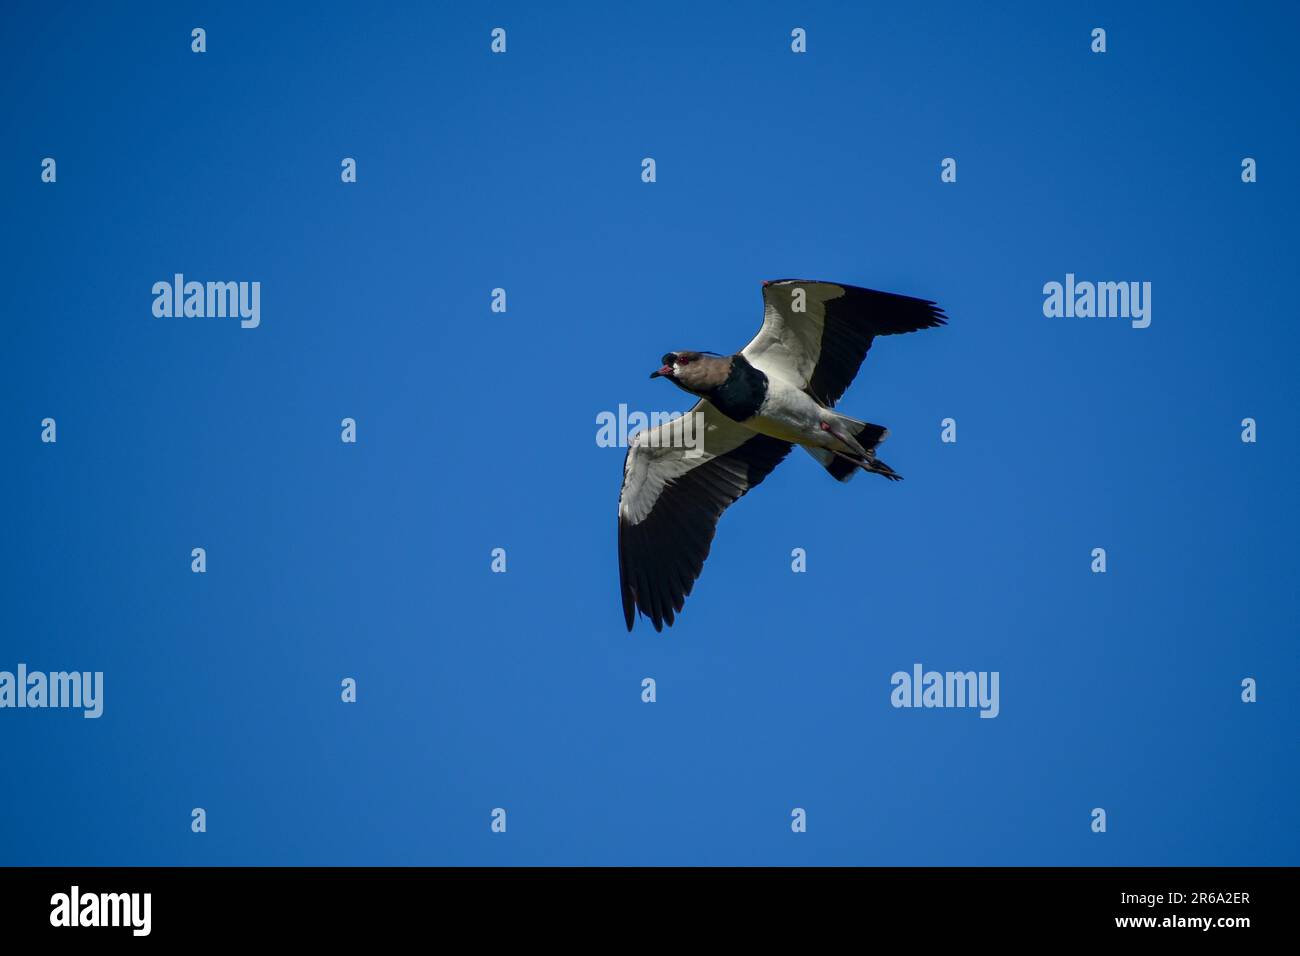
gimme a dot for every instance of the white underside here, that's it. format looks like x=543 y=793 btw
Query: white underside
x=789 y=414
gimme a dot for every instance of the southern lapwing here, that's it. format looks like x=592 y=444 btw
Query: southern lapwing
x=775 y=393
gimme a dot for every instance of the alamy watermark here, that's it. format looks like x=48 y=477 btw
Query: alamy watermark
x=1102 y=300
x=922 y=688
x=75 y=908
x=69 y=689
x=216 y=300
x=665 y=430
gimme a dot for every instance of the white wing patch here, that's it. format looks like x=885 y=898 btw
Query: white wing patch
x=790 y=342
x=658 y=455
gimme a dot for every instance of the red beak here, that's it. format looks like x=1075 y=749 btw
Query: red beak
x=666 y=371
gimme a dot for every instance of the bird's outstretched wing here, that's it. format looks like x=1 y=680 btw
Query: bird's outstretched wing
x=816 y=334
x=678 y=478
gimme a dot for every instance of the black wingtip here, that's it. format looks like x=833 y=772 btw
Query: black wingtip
x=937 y=316
x=625 y=589
x=912 y=319
x=629 y=605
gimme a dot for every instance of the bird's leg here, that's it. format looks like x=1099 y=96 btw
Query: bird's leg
x=835 y=433
x=851 y=459
x=850 y=455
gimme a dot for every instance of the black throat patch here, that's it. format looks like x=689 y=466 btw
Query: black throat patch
x=742 y=394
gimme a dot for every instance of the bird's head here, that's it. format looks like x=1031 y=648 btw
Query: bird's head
x=696 y=372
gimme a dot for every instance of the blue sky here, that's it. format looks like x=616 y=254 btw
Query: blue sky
x=477 y=430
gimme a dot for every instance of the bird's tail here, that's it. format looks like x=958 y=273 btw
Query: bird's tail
x=869 y=436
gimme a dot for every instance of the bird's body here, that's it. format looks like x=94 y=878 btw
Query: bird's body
x=755 y=406
x=789 y=413
x=770 y=404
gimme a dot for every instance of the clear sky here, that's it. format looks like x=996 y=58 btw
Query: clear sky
x=476 y=430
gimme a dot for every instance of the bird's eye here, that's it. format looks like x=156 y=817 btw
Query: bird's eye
x=683 y=360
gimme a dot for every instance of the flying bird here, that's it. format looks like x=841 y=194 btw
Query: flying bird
x=778 y=391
